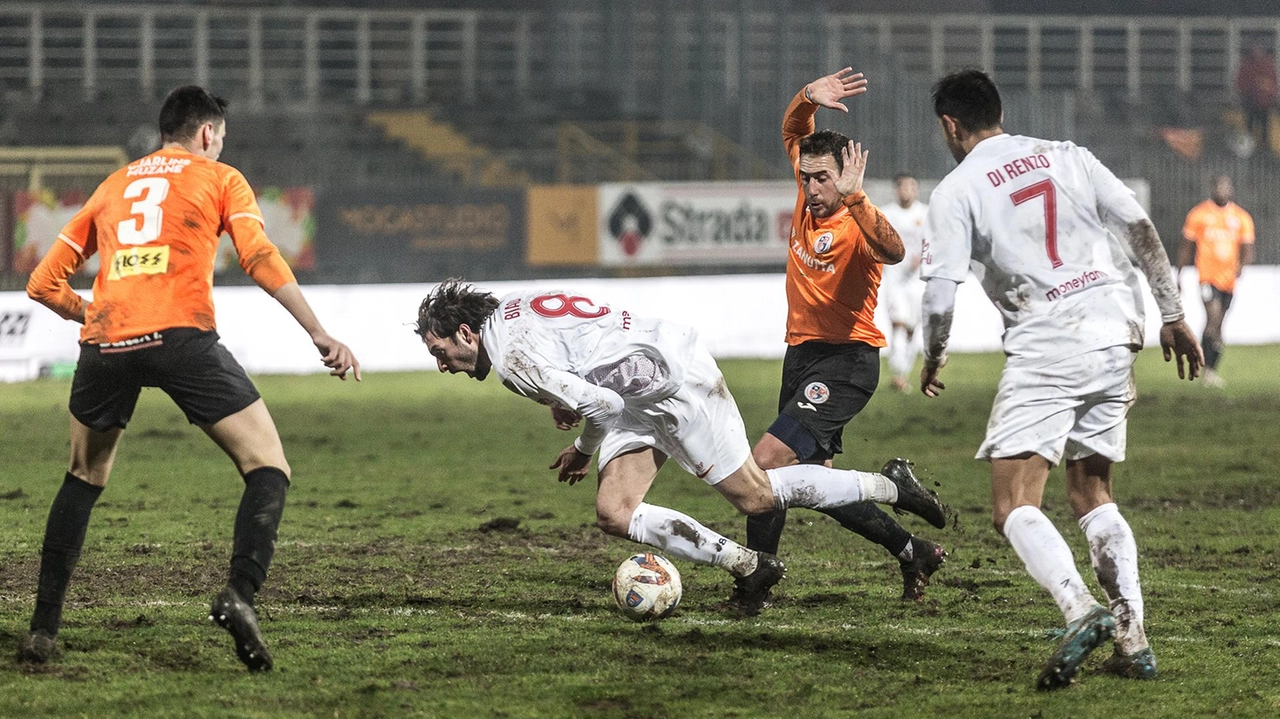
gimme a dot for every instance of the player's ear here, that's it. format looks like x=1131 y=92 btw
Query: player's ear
x=464 y=335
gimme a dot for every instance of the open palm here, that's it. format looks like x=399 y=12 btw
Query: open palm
x=828 y=91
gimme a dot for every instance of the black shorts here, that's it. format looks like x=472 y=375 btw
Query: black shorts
x=823 y=387
x=1209 y=293
x=190 y=365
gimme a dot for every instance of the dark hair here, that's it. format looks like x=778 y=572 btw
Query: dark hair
x=898 y=178
x=452 y=304
x=825 y=142
x=971 y=98
x=185 y=109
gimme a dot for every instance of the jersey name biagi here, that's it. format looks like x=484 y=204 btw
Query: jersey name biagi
x=1038 y=222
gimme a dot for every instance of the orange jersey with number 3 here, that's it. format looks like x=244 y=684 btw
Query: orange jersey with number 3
x=1218 y=233
x=156 y=224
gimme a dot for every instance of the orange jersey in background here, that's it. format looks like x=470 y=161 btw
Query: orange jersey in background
x=832 y=278
x=1218 y=233
x=156 y=224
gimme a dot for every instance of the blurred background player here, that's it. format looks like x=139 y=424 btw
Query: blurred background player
x=646 y=389
x=1042 y=219
x=1219 y=234
x=156 y=224
x=901 y=285
x=838 y=242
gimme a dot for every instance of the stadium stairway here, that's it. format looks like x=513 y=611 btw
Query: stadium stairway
x=440 y=143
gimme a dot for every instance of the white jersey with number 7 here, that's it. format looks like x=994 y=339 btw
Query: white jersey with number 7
x=1033 y=219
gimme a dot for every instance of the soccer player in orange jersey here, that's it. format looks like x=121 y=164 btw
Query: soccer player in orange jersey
x=1219 y=233
x=156 y=224
x=838 y=244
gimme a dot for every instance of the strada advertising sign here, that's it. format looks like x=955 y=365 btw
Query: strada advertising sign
x=720 y=223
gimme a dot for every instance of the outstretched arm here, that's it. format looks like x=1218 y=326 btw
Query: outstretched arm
x=335 y=355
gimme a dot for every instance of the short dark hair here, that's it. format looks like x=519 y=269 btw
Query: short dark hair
x=825 y=142
x=450 y=305
x=898 y=178
x=185 y=109
x=971 y=98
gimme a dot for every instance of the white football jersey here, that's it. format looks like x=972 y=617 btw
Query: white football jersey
x=1032 y=219
x=909 y=222
x=561 y=348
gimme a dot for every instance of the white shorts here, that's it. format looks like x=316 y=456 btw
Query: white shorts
x=699 y=427
x=1073 y=408
x=902 y=300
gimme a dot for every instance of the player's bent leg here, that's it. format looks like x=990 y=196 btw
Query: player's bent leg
x=250 y=439
x=623 y=482
x=92 y=455
x=764 y=531
x=1114 y=555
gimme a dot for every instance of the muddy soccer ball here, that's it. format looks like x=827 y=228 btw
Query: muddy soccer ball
x=646 y=587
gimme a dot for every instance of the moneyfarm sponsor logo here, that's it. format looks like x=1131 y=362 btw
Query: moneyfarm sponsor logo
x=1085 y=279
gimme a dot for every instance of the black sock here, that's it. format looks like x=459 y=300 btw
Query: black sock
x=1212 y=352
x=256 y=524
x=873 y=523
x=63 y=538
x=765 y=530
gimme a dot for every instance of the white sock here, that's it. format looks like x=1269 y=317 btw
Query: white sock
x=1048 y=560
x=814 y=486
x=682 y=536
x=902 y=353
x=1115 y=562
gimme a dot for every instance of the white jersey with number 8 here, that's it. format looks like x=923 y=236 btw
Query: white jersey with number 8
x=1037 y=222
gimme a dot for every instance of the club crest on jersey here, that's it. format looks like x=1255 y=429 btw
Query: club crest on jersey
x=822 y=243
x=817 y=392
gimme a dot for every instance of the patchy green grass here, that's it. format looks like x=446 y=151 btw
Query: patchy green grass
x=392 y=594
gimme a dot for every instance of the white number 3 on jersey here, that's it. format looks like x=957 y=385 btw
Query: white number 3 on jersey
x=151 y=191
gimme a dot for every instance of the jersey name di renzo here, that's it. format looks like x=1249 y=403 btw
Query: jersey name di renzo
x=683 y=223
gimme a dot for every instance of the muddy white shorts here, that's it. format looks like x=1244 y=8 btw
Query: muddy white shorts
x=1069 y=409
x=699 y=427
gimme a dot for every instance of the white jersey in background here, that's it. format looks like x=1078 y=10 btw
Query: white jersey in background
x=900 y=284
x=909 y=222
x=1031 y=218
x=564 y=349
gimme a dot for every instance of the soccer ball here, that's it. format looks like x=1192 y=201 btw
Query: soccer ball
x=646 y=587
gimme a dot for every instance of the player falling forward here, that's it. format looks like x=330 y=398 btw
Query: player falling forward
x=645 y=390
x=839 y=241
x=1039 y=221
x=1219 y=233
x=901 y=284
x=156 y=224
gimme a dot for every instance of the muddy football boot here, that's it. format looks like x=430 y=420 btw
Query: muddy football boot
x=38 y=647
x=751 y=594
x=235 y=615
x=912 y=496
x=927 y=559
x=1139 y=665
x=1086 y=634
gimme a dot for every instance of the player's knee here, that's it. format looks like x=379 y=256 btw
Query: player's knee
x=758 y=502
x=614 y=519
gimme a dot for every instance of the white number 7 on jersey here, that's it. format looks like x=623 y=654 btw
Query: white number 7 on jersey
x=152 y=190
x=1045 y=188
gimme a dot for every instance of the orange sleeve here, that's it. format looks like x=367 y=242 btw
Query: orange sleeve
x=242 y=219
x=796 y=124
x=1191 y=228
x=48 y=282
x=876 y=228
x=80 y=232
x=1246 y=228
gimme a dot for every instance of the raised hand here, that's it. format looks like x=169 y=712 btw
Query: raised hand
x=854 y=159
x=828 y=91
